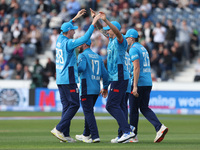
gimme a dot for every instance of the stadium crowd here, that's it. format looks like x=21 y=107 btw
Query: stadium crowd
x=168 y=29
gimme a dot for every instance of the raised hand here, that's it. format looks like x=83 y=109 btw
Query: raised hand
x=102 y=15
x=93 y=13
x=96 y=18
x=79 y=14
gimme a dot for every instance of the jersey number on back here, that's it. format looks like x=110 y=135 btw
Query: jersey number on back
x=95 y=66
x=128 y=64
x=59 y=56
x=146 y=62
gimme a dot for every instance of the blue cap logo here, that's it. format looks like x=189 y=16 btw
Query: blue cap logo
x=68 y=26
x=115 y=23
x=131 y=33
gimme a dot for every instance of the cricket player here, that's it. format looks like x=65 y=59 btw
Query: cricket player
x=67 y=74
x=91 y=69
x=141 y=88
x=118 y=76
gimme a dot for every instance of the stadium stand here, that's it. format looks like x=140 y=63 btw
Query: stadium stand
x=27 y=27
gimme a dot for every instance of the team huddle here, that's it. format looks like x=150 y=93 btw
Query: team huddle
x=127 y=74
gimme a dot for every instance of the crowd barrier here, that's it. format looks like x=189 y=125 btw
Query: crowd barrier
x=166 y=98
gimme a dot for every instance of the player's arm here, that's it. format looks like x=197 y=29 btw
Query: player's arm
x=136 y=73
x=104 y=91
x=79 y=14
x=134 y=55
x=98 y=24
x=73 y=43
x=81 y=63
x=104 y=76
x=112 y=27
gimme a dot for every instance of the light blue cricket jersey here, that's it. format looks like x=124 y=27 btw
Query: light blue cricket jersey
x=91 y=69
x=137 y=51
x=66 y=62
x=117 y=69
x=129 y=68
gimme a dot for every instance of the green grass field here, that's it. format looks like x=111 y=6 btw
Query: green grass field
x=184 y=133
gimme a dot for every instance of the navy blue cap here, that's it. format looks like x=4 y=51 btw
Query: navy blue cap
x=68 y=26
x=115 y=23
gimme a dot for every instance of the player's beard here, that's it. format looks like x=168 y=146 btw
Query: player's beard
x=80 y=49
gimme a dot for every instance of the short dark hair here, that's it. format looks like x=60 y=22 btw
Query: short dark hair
x=64 y=32
x=137 y=39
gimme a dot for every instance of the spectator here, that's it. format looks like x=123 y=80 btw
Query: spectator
x=24 y=35
x=145 y=17
x=18 y=53
x=135 y=18
x=3 y=7
x=34 y=37
x=29 y=49
x=18 y=72
x=8 y=50
x=14 y=17
x=148 y=35
x=86 y=24
x=55 y=21
x=64 y=14
x=25 y=18
x=7 y=36
x=6 y=73
x=194 y=44
x=115 y=16
x=15 y=25
x=54 y=6
x=138 y=27
x=159 y=35
x=98 y=45
x=176 y=52
x=170 y=34
x=44 y=21
x=110 y=5
x=184 y=33
x=73 y=7
x=120 y=5
x=37 y=75
x=26 y=73
x=154 y=61
x=146 y=6
x=16 y=35
x=126 y=16
x=53 y=38
x=50 y=69
x=79 y=32
x=183 y=3
x=42 y=7
x=165 y=65
x=37 y=68
x=5 y=23
x=92 y=4
x=14 y=8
